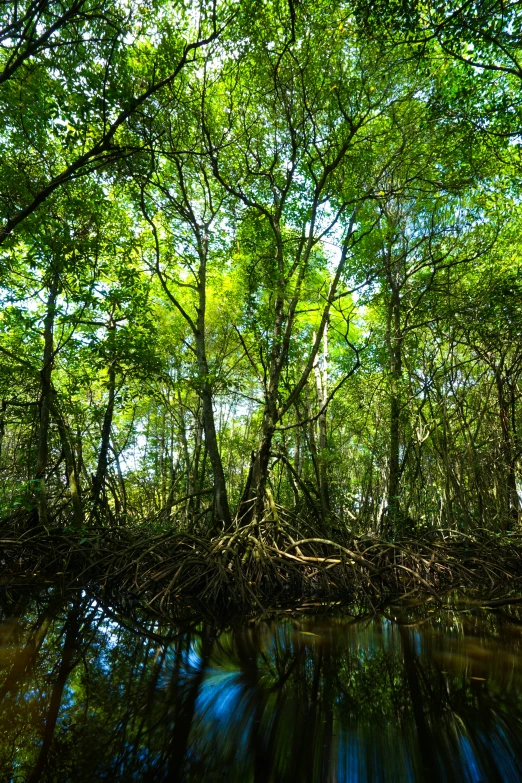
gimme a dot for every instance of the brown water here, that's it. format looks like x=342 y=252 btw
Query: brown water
x=414 y=694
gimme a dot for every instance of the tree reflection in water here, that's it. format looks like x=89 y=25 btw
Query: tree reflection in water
x=424 y=696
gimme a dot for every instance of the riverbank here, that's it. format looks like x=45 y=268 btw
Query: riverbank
x=254 y=568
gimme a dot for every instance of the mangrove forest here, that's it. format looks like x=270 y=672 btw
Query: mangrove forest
x=260 y=301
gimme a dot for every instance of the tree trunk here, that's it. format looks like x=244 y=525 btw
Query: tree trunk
x=45 y=397
x=121 y=479
x=103 y=456
x=321 y=384
x=259 y=476
x=255 y=493
x=516 y=447
x=3 y=409
x=70 y=463
x=511 y=503
x=394 y=339
x=221 y=507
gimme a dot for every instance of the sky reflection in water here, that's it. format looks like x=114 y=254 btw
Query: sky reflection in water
x=417 y=694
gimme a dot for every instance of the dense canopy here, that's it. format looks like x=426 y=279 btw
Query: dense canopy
x=260 y=258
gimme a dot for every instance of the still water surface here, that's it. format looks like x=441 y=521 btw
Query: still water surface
x=416 y=693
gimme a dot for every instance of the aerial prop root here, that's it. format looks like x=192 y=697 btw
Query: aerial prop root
x=258 y=563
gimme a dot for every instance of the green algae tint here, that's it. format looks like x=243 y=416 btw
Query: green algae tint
x=413 y=694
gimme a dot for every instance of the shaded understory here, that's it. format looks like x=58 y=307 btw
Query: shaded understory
x=253 y=568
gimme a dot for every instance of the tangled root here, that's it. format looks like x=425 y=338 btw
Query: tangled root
x=255 y=566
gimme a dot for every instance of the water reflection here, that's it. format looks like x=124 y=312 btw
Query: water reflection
x=413 y=695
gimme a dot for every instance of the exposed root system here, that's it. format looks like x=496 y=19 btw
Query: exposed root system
x=255 y=567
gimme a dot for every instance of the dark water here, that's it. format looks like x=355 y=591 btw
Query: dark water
x=414 y=694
